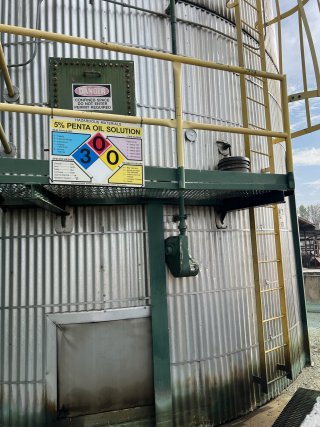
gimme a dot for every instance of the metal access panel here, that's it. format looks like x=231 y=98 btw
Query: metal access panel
x=103 y=86
x=105 y=366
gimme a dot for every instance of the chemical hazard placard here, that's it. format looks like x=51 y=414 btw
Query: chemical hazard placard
x=95 y=153
x=92 y=97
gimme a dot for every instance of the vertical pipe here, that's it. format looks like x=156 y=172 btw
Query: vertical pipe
x=159 y=310
x=286 y=125
x=5 y=72
x=179 y=119
x=262 y=48
x=173 y=20
x=304 y=70
x=297 y=255
x=279 y=37
x=312 y=49
x=243 y=84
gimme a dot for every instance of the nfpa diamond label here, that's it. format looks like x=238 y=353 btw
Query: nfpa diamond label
x=95 y=153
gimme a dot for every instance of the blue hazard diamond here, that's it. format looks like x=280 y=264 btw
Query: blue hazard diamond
x=85 y=156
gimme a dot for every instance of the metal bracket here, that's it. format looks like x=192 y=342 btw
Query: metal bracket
x=46 y=200
x=238 y=203
x=224 y=148
x=64 y=223
x=220 y=215
x=264 y=385
x=283 y=368
x=13 y=98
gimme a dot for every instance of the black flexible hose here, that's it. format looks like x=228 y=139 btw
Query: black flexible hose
x=34 y=53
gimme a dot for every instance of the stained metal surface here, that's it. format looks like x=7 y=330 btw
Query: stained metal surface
x=102 y=263
x=213 y=319
x=94 y=371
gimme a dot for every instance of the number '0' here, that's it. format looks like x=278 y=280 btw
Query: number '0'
x=115 y=157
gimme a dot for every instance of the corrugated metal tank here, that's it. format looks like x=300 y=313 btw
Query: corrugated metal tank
x=212 y=320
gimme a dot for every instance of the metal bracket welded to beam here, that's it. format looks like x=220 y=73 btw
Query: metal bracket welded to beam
x=45 y=199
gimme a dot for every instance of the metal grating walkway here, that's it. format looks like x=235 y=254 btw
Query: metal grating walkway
x=298 y=408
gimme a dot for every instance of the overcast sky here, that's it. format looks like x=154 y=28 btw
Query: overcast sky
x=306 y=148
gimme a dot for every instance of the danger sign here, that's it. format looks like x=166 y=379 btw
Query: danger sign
x=92 y=97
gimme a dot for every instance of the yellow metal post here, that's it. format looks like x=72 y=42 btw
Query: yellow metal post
x=243 y=84
x=279 y=37
x=4 y=141
x=286 y=14
x=260 y=28
x=286 y=125
x=252 y=218
x=5 y=72
x=179 y=114
x=304 y=69
x=277 y=238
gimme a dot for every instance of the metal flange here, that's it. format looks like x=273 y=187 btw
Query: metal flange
x=13 y=98
x=12 y=153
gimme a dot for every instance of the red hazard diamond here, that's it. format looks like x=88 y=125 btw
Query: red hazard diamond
x=99 y=143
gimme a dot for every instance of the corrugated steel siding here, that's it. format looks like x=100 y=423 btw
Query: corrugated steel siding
x=209 y=96
x=102 y=263
x=213 y=326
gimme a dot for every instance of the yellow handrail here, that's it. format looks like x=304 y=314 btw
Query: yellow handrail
x=171 y=123
x=178 y=123
x=285 y=14
x=114 y=47
x=307 y=94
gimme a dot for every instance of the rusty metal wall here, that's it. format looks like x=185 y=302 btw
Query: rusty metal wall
x=212 y=317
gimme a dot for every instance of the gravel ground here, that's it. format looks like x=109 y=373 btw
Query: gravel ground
x=309 y=378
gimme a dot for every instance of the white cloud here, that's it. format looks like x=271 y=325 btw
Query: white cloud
x=307 y=157
x=315 y=184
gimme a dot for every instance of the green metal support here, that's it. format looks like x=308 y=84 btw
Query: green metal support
x=297 y=255
x=44 y=199
x=26 y=171
x=159 y=312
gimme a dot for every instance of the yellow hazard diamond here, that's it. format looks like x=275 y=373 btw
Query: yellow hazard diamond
x=112 y=158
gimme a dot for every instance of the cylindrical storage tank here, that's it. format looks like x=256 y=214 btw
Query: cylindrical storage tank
x=98 y=272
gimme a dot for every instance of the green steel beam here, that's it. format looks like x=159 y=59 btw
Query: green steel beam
x=37 y=172
x=41 y=197
x=24 y=166
x=237 y=203
x=297 y=255
x=159 y=312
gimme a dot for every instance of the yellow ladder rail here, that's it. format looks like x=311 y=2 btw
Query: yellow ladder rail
x=258 y=263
